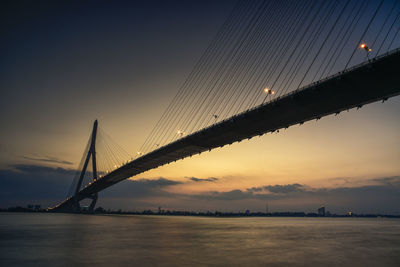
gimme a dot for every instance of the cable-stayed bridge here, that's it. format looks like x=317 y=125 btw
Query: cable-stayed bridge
x=273 y=64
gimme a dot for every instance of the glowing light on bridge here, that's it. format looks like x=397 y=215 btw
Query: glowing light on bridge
x=269 y=91
x=364 y=46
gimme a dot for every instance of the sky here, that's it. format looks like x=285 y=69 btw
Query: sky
x=66 y=63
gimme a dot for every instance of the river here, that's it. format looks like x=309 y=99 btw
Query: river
x=41 y=239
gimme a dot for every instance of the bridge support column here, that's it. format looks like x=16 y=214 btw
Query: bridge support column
x=93 y=204
x=73 y=205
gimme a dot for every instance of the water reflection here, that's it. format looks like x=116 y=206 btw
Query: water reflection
x=112 y=240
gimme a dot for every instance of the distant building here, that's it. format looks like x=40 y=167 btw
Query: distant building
x=321 y=211
x=349 y=213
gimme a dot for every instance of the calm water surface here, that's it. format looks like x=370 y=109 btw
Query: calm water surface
x=111 y=240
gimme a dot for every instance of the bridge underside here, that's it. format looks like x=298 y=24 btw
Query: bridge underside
x=376 y=80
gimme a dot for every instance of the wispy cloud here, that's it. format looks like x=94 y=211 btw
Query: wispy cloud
x=47 y=159
x=284 y=189
x=195 y=179
x=393 y=181
x=35 y=170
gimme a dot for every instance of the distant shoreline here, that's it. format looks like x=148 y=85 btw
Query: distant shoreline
x=100 y=211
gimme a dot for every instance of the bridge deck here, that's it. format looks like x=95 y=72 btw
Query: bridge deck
x=372 y=81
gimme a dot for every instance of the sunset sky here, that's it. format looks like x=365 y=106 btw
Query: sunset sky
x=65 y=64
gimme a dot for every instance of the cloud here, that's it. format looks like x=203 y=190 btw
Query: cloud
x=284 y=189
x=211 y=179
x=279 y=189
x=23 y=184
x=393 y=181
x=262 y=192
x=34 y=169
x=47 y=159
x=381 y=197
